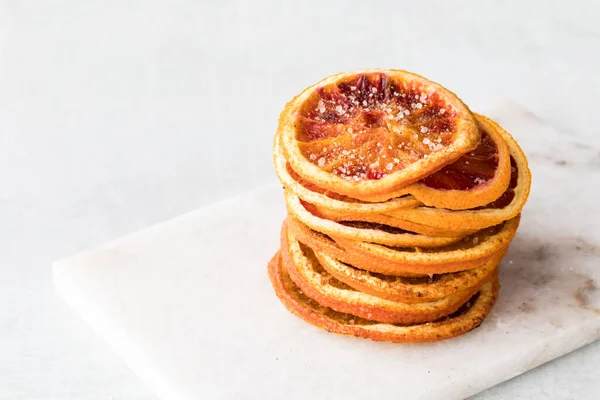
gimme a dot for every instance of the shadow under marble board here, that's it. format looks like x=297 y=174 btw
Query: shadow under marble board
x=188 y=306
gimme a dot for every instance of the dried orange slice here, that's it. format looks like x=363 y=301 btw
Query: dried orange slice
x=306 y=272
x=312 y=194
x=323 y=243
x=408 y=289
x=505 y=207
x=371 y=132
x=392 y=222
x=466 y=318
x=409 y=261
x=471 y=252
x=357 y=230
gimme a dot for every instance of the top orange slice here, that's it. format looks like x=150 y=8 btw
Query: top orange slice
x=372 y=132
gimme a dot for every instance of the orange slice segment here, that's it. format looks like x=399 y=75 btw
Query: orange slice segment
x=371 y=132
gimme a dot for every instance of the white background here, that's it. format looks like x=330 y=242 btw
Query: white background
x=118 y=115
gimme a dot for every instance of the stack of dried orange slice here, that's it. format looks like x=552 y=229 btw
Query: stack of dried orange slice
x=401 y=204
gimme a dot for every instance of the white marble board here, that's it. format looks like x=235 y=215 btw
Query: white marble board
x=188 y=306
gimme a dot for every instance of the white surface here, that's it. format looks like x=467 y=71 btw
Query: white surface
x=188 y=306
x=112 y=117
